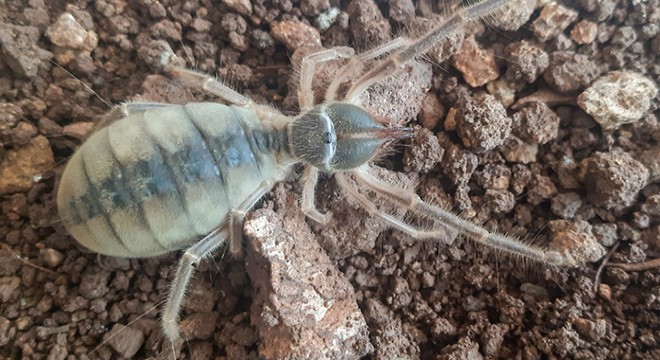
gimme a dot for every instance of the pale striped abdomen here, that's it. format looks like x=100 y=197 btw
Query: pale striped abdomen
x=156 y=181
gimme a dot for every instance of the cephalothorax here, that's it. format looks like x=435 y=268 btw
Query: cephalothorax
x=161 y=176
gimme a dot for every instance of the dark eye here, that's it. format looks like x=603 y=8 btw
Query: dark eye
x=328 y=137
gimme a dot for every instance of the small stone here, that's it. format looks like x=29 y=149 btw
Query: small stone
x=201 y=25
x=21 y=167
x=513 y=15
x=243 y=7
x=499 y=201
x=431 y=112
x=591 y=330
x=553 y=20
x=620 y=97
x=423 y=153
x=313 y=8
x=7 y=286
x=493 y=337
x=294 y=34
x=584 y=32
x=58 y=352
x=517 y=151
x=526 y=61
x=477 y=65
x=459 y=165
x=125 y=340
x=93 y=282
x=443 y=329
x=157 y=54
x=79 y=130
x=368 y=24
x=503 y=90
x=536 y=123
x=198 y=325
x=606 y=234
x=613 y=179
x=261 y=39
x=166 y=29
x=650 y=159
x=575 y=241
x=10 y=114
x=569 y=72
x=20 y=49
x=605 y=291
x=401 y=11
x=541 y=188
x=51 y=257
x=465 y=348
x=482 y=122
x=565 y=205
x=67 y=33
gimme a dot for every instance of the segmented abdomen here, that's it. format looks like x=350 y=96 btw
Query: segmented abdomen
x=155 y=181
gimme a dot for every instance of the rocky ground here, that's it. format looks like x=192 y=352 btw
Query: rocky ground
x=541 y=123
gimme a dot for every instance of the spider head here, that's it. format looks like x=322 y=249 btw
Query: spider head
x=340 y=136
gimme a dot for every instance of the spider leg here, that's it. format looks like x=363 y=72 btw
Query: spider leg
x=309 y=180
x=475 y=232
x=307 y=70
x=331 y=93
x=208 y=83
x=397 y=60
x=393 y=221
x=190 y=258
x=237 y=216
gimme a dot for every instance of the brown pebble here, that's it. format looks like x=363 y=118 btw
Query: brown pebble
x=613 y=180
x=51 y=257
x=477 y=65
x=67 y=33
x=552 y=21
x=423 y=153
x=21 y=167
x=536 y=123
x=78 y=130
x=368 y=24
x=294 y=34
x=575 y=241
x=620 y=97
x=584 y=32
x=482 y=122
x=20 y=47
x=591 y=330
x=569 y=72
x=243 y=7
x=431 y=112
x=125 y=340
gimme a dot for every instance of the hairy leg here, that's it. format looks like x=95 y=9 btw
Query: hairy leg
x=190 y=258
x=395 y=62
x=208 y=83
x=309 y=180
x=307 y=70
x=475 y=232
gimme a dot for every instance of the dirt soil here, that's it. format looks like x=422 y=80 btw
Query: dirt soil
x=541 y=123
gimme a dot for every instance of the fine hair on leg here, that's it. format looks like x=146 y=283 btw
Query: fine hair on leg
x=204 y=248
x=414 y=203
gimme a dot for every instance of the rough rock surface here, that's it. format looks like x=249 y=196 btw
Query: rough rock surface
x=620 y=97
x=303 y=307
